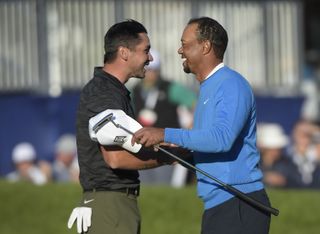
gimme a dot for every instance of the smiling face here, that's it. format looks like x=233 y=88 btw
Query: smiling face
x=139 y=57
x=191 y=49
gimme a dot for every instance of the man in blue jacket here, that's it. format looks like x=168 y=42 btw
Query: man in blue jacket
x=223 y=137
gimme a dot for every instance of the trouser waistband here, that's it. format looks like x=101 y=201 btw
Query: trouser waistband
x=132 y=191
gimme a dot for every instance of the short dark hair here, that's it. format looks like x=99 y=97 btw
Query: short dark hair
x=125 y=34
x=209 y=29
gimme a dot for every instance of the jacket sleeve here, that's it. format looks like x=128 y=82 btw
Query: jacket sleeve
x=233 y=105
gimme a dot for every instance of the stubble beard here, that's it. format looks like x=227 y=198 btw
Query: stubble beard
x=186 y=69
x=141 y=73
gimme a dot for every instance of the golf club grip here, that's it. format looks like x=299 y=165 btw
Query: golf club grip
x=228 y=187
x=251 y=201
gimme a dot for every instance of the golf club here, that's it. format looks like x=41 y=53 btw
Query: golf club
x=227 y=187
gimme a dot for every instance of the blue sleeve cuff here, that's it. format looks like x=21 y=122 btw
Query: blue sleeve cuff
x=173 y=135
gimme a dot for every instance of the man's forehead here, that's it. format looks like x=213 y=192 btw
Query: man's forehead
x=189 y=32
x=144 y=39
x=144 y=36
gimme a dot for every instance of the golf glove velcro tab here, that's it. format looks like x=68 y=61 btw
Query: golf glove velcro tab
x=114 y=127
x=83 y=217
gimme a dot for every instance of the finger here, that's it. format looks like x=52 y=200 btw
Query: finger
x=142 y=140
x=148 y=143
x=84 y=224
x=89 y=218
x=72 y=218
x=133 y=139
x=86 y=219
x=151 y=141
x=79 y=223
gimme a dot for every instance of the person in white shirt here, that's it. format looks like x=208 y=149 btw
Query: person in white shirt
x=24 y=157
x=65 y=167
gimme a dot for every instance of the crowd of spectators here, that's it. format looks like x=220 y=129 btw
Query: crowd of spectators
x=29 y=168
x=287 y=161
x=290 y=161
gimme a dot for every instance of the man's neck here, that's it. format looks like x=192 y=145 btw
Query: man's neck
x=207 y=70
x=116 y=71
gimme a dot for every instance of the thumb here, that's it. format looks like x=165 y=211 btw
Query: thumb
x=72 y=218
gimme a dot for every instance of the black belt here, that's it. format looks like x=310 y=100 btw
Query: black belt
x=132 y=191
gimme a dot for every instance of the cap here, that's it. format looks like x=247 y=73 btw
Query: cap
x=66 y=144
x=23 y=152
x=155 y=63
x=271 y=135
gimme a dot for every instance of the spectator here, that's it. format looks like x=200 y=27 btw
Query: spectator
x=160 y=103
x=303 y=152
x=316 y=174
x=310 y=85
x=156 y=100
x=65 y=167
x=277 y=168
x=24 y=159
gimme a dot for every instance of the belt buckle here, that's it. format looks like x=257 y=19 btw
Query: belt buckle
x=134 y=191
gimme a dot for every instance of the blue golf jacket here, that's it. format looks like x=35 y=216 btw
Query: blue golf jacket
x=223 y=137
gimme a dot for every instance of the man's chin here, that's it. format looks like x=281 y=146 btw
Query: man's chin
x=186 y=70
x=140 y=76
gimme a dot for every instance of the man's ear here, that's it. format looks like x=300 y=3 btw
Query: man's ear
x=123 y=53
x=207 y=46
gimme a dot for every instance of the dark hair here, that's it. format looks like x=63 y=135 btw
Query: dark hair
x=209 y=29
x=125 y=34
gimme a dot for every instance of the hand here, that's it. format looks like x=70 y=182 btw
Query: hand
x=83 y=217
x=148 y=136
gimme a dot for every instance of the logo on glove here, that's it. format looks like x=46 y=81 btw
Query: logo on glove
x=120 y=139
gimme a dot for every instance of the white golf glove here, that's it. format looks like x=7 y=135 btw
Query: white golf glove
x=83 y=217
x=102 y=129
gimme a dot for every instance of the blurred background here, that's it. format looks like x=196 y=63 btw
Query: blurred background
x=48 y=50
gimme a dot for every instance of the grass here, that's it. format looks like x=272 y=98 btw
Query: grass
x=299 y=211
x=29 y=209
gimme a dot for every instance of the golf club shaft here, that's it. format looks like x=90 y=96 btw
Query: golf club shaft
x=227 y=187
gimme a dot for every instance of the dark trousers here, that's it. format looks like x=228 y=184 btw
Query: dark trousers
x=235 y=216
x=113 y=213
